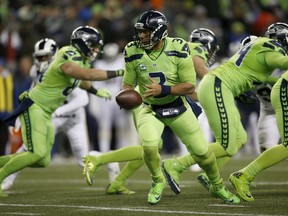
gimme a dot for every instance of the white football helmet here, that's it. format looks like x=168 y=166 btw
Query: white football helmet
x=44 y=52
x=247 y=40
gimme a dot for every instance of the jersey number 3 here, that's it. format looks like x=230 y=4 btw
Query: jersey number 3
x=162 y=79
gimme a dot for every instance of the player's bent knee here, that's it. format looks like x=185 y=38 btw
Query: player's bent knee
x=205 y=160
x=42 y=161
x=149 y=150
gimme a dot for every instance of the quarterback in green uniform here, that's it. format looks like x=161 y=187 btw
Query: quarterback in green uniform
x=242 y=179
x=70 y=68
x=163 y=69
x=251 y=65
x=203 y=47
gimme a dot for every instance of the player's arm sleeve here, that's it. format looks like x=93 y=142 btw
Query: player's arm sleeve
x=187 y=76
x=276 y=60
x=130 y=75
x=186 y=70
x=78 y=98
x=200 y=66
x=272 y=80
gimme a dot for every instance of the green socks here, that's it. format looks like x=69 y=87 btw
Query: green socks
x=268 y=158
x=17 y=162
x=124 y=154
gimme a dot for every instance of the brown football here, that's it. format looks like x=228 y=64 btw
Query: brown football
x=128 y=99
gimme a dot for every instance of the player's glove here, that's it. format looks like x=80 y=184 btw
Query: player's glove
x=103 y=93
x=120 y=72
x=247 y=98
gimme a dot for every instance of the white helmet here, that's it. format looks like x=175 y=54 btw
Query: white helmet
x=247 y=40
x=44 y=52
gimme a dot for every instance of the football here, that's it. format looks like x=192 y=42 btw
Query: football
x=128 y=99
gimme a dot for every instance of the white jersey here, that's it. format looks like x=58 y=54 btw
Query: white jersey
x=70 y=118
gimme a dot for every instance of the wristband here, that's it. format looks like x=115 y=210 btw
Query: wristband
x=165 y=90
x=92 y=90
x=112 y=74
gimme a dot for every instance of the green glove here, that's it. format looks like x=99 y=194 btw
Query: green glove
x=120 y=72
x=103 y=93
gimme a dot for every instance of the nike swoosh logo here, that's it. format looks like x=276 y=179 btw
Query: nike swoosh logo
x=158 y=198
x=249 y=196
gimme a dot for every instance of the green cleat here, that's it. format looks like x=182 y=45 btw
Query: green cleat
x=118 y=188
x=91 y=164
x=170 y=168
x=220 y=191
x=156 y=191
x=204 y=180
x=242 y=185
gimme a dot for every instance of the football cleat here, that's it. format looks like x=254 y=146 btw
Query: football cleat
x=204 y=180
x=9 y=181
x=118 y=188
x=169 y=167
x=156 y=191
x=91 y=164
x=220 y=191
x=242 y=185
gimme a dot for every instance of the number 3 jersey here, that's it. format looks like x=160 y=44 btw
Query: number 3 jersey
x=248 y=67
x=54 y=86
x=169 y=66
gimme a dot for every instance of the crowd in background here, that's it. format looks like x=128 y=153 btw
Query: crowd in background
x=23 y=22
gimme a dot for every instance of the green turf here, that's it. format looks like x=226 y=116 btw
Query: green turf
x=61 y=190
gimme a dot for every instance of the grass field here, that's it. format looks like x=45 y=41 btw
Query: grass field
x=61 y=190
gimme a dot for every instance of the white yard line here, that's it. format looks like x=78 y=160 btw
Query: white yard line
x=99 y=208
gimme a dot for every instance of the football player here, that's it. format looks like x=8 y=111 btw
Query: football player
x=251 y=65
x=70 y=117
x=268 y=134
x=71 y=68
x=203 y=48
x=242 y=179
x=163 y=69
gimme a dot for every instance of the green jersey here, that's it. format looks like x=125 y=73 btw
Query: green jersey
x=54 y=85
x=170 y=65
x=251 y=65
x=198 y=49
